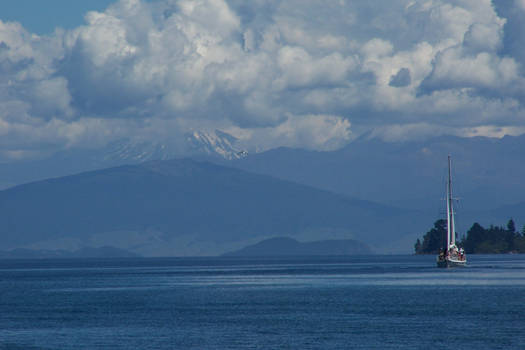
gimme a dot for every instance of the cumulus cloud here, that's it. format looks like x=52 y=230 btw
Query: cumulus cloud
x=316 y=132
x=299 y=73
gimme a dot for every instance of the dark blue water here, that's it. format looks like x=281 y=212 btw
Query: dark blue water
x=375 y=302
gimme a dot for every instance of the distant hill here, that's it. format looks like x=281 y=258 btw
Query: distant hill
x=488 y=172
x=197 y=144
x=500 y=216
x=185 y=207
x=283 y=246
x=86 y=252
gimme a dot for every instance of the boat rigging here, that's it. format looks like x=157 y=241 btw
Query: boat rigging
x=451 y=256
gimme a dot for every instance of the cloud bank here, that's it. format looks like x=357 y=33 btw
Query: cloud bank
x=298 y=73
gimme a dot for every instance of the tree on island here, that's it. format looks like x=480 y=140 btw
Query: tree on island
x=433 y=240
x=475 y=236
x=417 y=246
x=511 y=235
x=511 y=226
x=479 y=240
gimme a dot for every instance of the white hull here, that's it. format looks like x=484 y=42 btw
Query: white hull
x=448 y=262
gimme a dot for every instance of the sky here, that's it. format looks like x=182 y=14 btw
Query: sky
x=297 y=73
x=43 y=17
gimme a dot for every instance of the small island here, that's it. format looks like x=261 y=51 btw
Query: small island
x=478 y=240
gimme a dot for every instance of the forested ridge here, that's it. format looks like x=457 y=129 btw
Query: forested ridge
x=478 y=240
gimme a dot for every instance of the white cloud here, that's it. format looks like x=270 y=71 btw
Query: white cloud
x=493 y=131
x=299 y=69
x=483 y=70
x=377 y=48
x=484 y=37
x=51 y=97
x=521 y=4
x=104 y=39
x=293 y=73
x=420 y=131
x=318 y=132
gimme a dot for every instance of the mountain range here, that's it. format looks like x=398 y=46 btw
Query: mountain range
x=185 y=207
x=487 y=173
x=382 y=193
x=215 y=145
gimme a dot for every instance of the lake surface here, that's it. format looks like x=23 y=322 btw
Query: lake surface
x=369 y=302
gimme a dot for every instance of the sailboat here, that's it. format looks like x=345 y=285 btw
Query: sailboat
x=451 y=256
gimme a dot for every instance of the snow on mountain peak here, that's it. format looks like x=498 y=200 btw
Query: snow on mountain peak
x=196 y=143
x=215 y=143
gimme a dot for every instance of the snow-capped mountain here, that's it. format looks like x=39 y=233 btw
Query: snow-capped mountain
x=196 y=143
x=136 y=152
x=215 y=143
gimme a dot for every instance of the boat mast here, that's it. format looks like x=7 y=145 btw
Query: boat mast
x=451 y=232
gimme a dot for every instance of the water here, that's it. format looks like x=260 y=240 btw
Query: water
x=374 y=302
